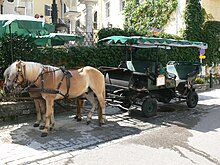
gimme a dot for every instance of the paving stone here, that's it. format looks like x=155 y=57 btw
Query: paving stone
x=22 y=143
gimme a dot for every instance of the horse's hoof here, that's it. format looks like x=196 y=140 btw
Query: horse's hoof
x=36 y=125
x=76 y=117
x=44 y=134
x=88 y=122
x=41 y=127
x=79 y=119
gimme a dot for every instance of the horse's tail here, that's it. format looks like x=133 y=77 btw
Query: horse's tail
x=103 y=92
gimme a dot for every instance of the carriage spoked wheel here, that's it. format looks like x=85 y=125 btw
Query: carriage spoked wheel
x=149 y=107
x=192 y=99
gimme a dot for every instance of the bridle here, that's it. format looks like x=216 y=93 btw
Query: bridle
x=21 y=72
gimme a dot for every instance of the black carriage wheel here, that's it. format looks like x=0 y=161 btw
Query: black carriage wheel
x=192 y=99
x=149 y=107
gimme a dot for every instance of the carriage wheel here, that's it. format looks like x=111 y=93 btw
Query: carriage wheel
x=149 y=107
x=192 y=99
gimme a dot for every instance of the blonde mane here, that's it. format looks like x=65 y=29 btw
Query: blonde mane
x=35 y=69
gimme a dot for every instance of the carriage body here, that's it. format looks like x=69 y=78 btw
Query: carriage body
x=145 y=83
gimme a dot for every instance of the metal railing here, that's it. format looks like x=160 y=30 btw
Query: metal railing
x=90 y=39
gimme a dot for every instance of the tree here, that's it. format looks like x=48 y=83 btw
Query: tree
x=147 y=15
x=194 y=20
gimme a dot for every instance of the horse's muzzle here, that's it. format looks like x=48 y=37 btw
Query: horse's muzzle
x=7 y=89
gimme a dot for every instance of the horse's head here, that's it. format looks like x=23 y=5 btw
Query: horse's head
x=14 y=76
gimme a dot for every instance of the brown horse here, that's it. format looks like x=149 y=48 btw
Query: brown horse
x=40 y=104
x=55 y=83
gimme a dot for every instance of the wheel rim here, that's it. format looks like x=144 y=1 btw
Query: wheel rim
x=149 y=107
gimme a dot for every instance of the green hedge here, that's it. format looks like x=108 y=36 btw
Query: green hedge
x=25 y=49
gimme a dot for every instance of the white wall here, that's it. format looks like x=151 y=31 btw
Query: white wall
x=9 y=7
x=116 y=18
x=176 y=24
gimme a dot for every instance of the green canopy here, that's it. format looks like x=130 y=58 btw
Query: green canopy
x=140 y=41
x=55 y=39
x=23 y=25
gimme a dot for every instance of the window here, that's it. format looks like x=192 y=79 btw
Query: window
x=95 y=17
x=107 y=9
x=65 y=8
x=95 y=20
x=78 y=23
x=47 y=10
x=122 y=4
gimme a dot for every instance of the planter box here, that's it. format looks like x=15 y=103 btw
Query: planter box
x=201 y=87
x=15 y=109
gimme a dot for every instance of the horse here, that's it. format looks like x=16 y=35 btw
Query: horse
x=55 y=83
x=40 y=104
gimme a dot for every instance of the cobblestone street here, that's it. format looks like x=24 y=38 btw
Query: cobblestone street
x=21 y=143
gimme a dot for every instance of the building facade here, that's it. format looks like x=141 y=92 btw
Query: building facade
x=212 y=7
x=92 y=15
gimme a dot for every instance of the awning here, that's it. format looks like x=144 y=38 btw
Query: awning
x=55 y=39
x=140 y=41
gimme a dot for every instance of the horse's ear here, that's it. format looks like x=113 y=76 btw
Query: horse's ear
x=20 y=64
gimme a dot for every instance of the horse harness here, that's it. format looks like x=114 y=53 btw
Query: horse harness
x=31 y=87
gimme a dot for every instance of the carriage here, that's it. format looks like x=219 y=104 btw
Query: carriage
x=132 y=83
x=145 y=83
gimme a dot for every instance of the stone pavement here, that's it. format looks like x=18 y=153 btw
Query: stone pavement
x=20 y=143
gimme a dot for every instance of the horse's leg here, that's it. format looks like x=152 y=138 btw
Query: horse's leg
x=49 y=117
x=38 y=111
x=102 y=117
x=79 y=106
x=91 y=98
x=100 y=94
x=37 y=103
x=42 y=104
x=52 y=121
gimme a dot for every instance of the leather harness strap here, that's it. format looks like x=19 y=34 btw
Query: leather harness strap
x=66 y=73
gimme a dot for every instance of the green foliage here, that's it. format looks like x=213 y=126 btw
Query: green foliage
x=200 y=80
x=15 y=47
x=194 y=19
x=211 y=30
x=147 y=15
